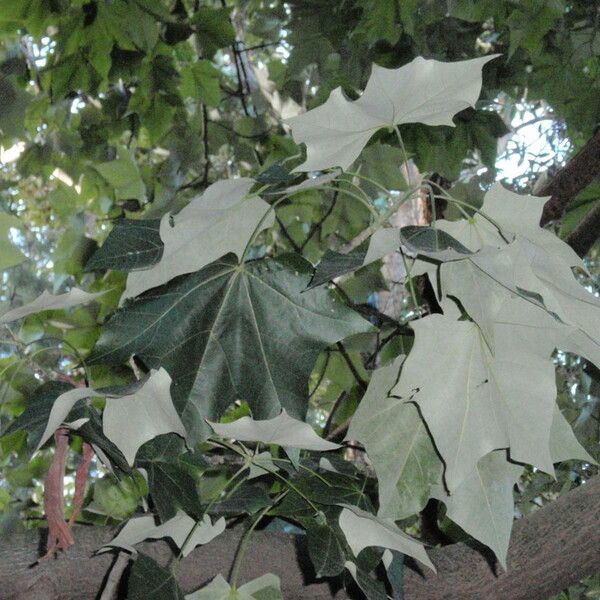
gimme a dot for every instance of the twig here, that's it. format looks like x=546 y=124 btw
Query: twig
x=287 y=236
x=359 y=380
x=315 y=227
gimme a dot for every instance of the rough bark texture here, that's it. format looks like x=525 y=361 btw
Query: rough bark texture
x=550 y=550
x=584 y=236
x=575 y=176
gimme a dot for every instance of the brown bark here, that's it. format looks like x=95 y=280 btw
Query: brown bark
x=574 y=177
x=550 y=549
x=584 y=236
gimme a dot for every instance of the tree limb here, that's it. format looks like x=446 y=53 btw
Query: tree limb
x=550 y=549
x=571 y=179
x=584 y=236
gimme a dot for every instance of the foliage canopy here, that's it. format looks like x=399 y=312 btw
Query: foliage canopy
x=256 y=259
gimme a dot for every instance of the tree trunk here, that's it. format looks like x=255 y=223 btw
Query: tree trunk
x=550 y=549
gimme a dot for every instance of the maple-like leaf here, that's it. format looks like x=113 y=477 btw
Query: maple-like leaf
x=472 y=401
x=423 y=91
x=231 y=332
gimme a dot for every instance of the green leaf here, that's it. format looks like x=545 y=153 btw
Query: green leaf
x=131 y=244
x=326 y=546
x=383 y=164
x=398 y=444
x=170 y=479
x=431 y=242
x=214 y=29
x=150 y=581
x=231 y=332
x=200 y=81
x=248 y=499
x=123 y=175
x=334 y=264
x=9 y=255
x=37 y=411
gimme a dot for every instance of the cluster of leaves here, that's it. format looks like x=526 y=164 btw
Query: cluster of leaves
x=205 y=306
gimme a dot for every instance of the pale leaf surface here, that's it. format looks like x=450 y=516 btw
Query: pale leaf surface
x=423 y=91
x=266 y=587
x=363 y=530
x=47 y=301
x=282 y=430
x=219 y=221
x=483 y=503
x=473 y=401
x=132 y=420
x=178 y=529
x=398 y=445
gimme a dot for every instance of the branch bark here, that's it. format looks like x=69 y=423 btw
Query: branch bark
x=574 y=177
x=550 y=549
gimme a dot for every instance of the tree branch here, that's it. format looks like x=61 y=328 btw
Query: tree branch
x=584 y=236
x=575 y=176
x=550 y=549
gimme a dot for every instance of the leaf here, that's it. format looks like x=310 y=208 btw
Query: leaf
x=380 y=163
x=373 y=589
x=266 y=587
x=123 y=175
x=394 y=568
x=213 y=28
x=170 y=478
x=431 y=242
x=248 y=499
x=61 y=408
x=134 y=419
x=200 y=80
x=334 y=264
x=150 y=581
x=423 y=91
x=213 y=331
x=220 y=221
x=398 y=444
x=261 y=464
x=178 y=529
x=517 y=215
x=563 y=443
x=10 y=256
x=327 y=547
x=282 y=430
x=483 y=503
x=37 y=410
x=472 y=401
x=384 y=241
x=46 y=301
x=131 y=244
x=362 y=530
